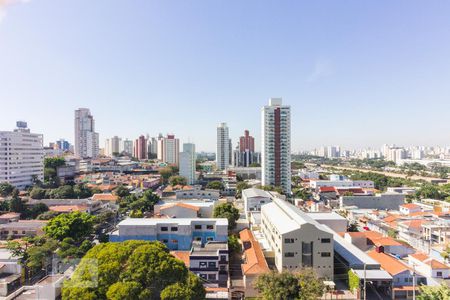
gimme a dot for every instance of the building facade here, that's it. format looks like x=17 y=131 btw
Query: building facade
x=223 y=147
x=297 y=240
x=276 y=145
x=86 y=139
x=21 y=156
x=187 y=163
x=140 y=148
x=169 y=149
x=176 y=234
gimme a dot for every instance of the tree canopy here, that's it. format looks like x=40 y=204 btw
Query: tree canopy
x=215 y=185
x=6 y=189
x=177 y=180
x=132 y=270
x=302 y=285
x=441 y=292
x=75 y=225
x=228 y=211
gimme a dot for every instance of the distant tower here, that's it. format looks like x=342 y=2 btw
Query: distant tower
x=276 y=145
x=246 y=149
x=223 y=147
x=187 y=162
x=86 y=139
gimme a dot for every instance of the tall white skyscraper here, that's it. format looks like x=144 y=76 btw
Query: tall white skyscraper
x=223 y=147
x=21 y=156
x=276 y=144
x=187 y=162
x=86 y=139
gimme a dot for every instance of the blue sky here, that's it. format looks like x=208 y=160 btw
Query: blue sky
x=356 y=73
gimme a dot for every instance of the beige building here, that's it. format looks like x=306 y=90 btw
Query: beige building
x=297 y=240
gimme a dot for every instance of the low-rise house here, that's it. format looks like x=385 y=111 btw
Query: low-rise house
x=65 y=209
x=333 y=220
x=253 y=199
x=254 y=264
x=92 y=206
x=428 y=266
x=105 y=197
x=179 y=210
x=9 y=217
x=409 y=208
x=185 y=208
x=20 y=229
x=401 y=273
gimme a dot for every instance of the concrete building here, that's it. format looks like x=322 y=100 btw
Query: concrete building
x=63 y=145
x=334 y=221
x=187 y=162
x=246 y=151
x=169 y=149
x=185 y=209
x=297 y=240
x=197 y=193
x=176 y=234
x=253 y=200
x=86 y=139
x=210 y=263
x=276 y=145
x=140 y=148
x=21 y=156
x=21 y=229
x=128 y=147
x=379 y=201
x=223 y=147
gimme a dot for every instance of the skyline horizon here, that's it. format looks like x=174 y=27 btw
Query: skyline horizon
x=359 y=75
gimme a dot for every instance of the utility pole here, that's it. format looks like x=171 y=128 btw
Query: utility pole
x=364 y=282
x=414 y=282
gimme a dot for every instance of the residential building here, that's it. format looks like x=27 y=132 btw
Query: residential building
x=428 y=266
x=21 y=156
x=196 y=192
x=253 y=200
x=63 y=145
x=245 y=153
x=297 y=240
x=21 y=229
x=254 y=262
x=379 y=201
x=169 y=149
x=223 y=147
x=86 y=139
x=140 y=148
x=276 y=145
x=187 y=162
x=128 y=147
x=210 y=262
x=176 y=234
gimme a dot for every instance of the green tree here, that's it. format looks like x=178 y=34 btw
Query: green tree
x=240 y=186
x=215 y=185
x=254 y=165
x=441 y=292
x=63 y=192
x=16 y=204
x=54 y=162
x=166 y=173
x=130 y=270
x=228 y=211
x=75 y=225
x=302 y=194
x=302 y=285
x=136 y=214
x=6 y=189
x=38 y=193
x=177 y=180
x=176 y=291
x=233 y=244
x=122 y=191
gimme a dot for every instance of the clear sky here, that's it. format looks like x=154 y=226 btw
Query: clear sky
x=356 y=73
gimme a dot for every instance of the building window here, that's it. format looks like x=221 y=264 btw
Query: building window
x=288 y=241
x=223 y=257
x=289 y=254
x=211 y=276
x=203 y=276
x=209 y=239
x=210 y=227
x=198 y=238
x=325 y=254
x=173 y=228
x=174 y=241
x=439 y=274
x=164 y=228
x=165 y=241
x=211 y=264
x=198 y=227
x=325 y=241
x=202 y=264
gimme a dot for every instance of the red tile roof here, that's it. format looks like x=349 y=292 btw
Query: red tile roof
x=184 y=205
x=390 y=264
x=255 y=262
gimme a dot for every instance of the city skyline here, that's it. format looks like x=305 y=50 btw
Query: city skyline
x=147 y=67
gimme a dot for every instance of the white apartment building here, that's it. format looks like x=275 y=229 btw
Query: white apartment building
x=128 y=146
x=169 y=149
x=297 y=240
x=276 y=145
x=187 y=163
x=253 y=200
x=223 y=147
x=86 y=139
x=21 y=156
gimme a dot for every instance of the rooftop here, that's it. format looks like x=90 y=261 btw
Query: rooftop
x=392 y=265
x=179 y=221
x=252 y=192
x=255 y=262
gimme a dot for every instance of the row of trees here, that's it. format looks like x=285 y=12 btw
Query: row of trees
x=63 y=192
x=137 y=205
